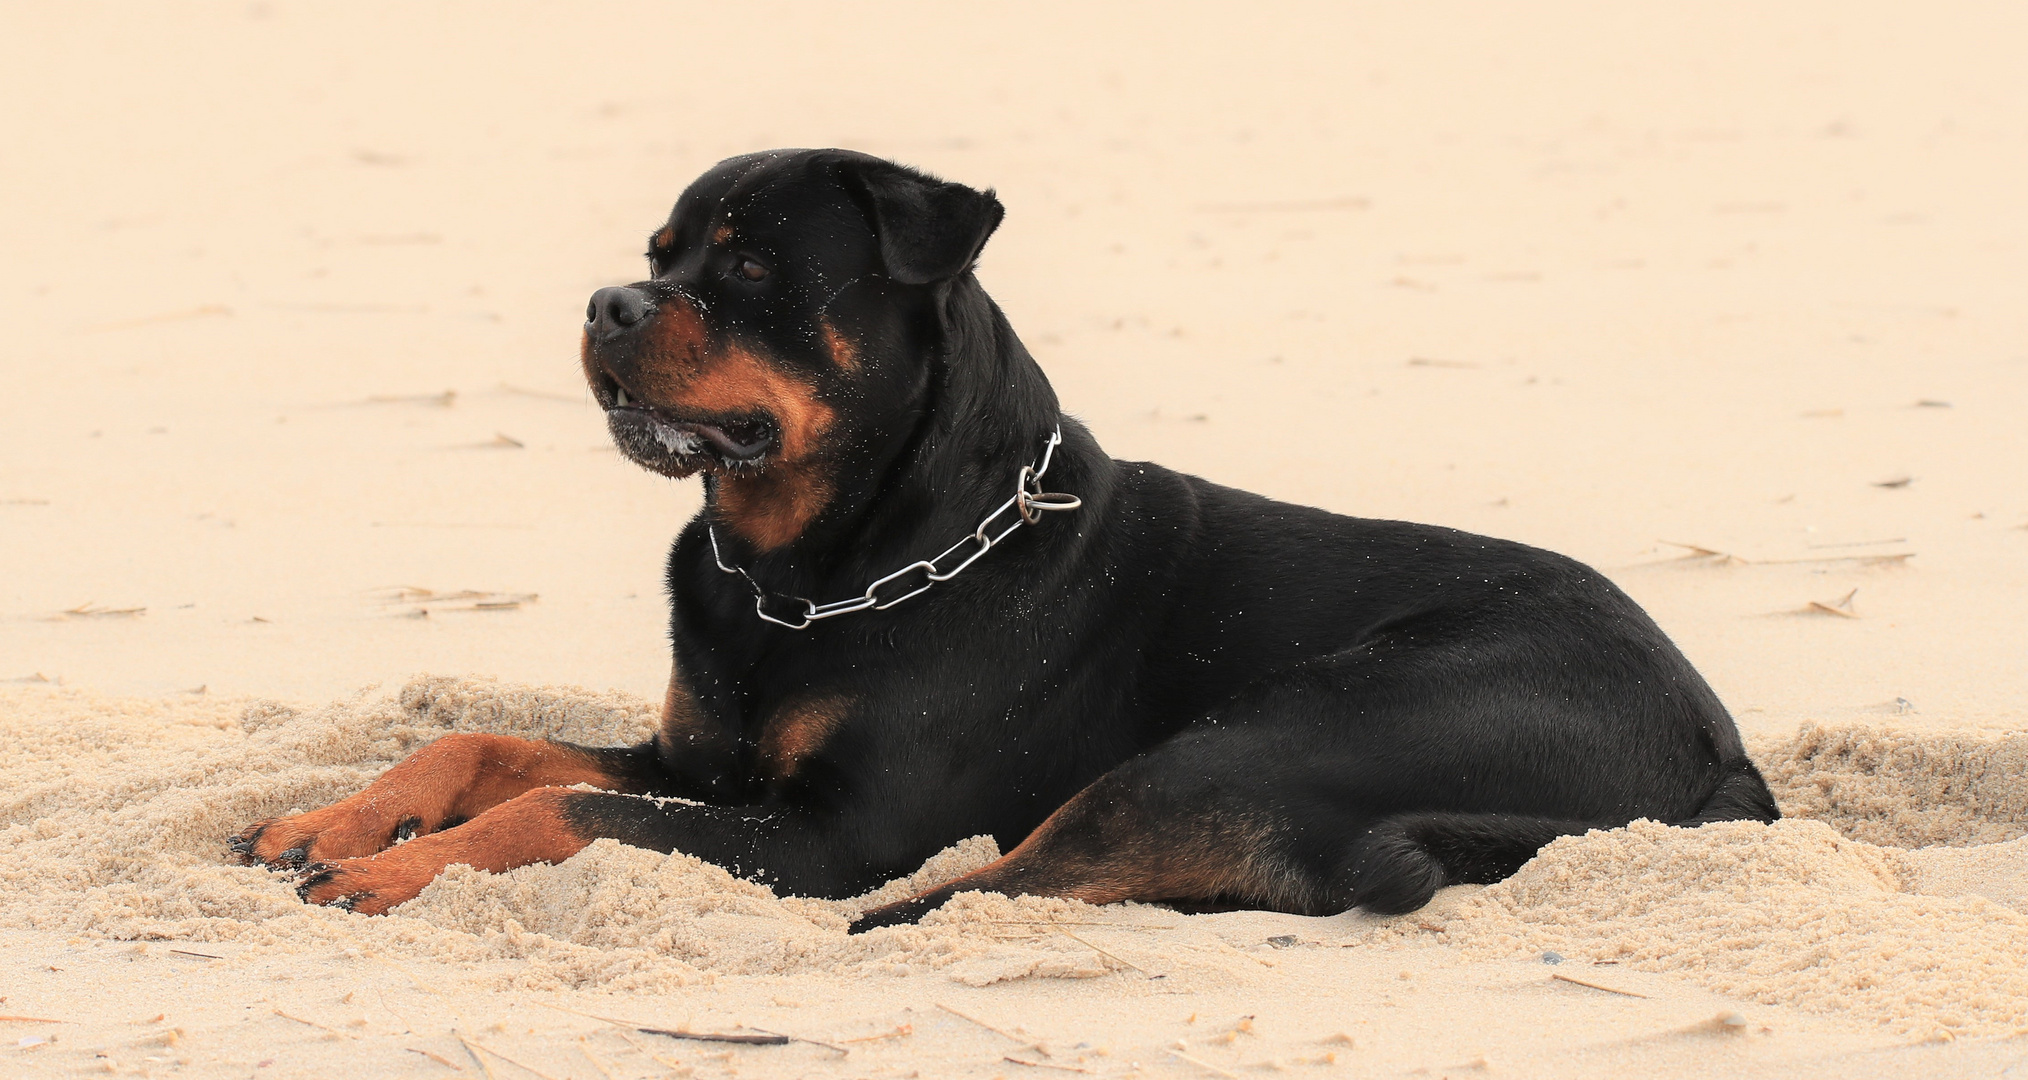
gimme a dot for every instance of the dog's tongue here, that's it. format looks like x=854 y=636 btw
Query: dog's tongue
x=739 y=442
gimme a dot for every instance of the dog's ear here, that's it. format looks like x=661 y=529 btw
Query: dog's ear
x=929 y=230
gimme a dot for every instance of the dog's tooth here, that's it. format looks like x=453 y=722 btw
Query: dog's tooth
x=622 y=398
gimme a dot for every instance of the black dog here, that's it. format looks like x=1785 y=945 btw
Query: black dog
x=1150 y=687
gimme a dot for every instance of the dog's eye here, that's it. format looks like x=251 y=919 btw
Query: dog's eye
x=749 y=269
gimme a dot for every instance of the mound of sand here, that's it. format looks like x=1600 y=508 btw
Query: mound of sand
x=117 y=815
x=1895 y=893
x=1789 y=913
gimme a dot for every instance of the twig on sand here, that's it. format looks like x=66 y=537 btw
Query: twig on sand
x=1044 y=1064
x=651 y=1055
x=436 y=1057
x=788 y=1039
x=522 y=1065
x=187 y=952
x=1029 y=1043
x=33 y=1020
x=584 y=1049
x=90 y=610
x=1202 y=1064
x=1574 y=980
x=476 y=1059
x=312 y=1023
x=1074 y=922
x=1102 y=952
x=764 y=1038
x=1699 y=551
x=1863 y=560
x=1841 y=607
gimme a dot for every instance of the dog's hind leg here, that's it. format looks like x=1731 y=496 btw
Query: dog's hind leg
x=1124 y=838
x=1372 y=779
x=1401 y=861
x=1156 y=828
x=453 y=779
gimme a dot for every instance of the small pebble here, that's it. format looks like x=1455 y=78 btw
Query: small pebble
x=1552 y=958
x=1282 y=941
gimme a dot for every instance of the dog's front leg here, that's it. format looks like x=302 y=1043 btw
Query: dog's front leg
x=549 y=825
x=452 y=780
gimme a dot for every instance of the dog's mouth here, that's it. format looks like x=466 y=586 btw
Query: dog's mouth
x=675 y=443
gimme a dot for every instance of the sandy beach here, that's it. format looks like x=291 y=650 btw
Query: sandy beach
x=298 y=473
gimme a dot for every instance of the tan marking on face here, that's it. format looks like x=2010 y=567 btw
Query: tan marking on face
x=796 y=730
x=844 y=352
x=770 y=507
x=677 y=341
x=683 y=370
x=666 y=237
x=722 y=235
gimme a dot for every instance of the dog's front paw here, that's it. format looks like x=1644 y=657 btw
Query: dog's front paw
x=277 y=843
x=340 y=831
x=369 y=886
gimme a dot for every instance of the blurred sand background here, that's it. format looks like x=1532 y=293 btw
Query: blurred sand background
x=1725 y=299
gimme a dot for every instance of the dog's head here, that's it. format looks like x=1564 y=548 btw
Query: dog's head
x=785 y=328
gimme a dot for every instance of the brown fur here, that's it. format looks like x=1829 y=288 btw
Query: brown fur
x=529 y=828
x=797 y=730
x=772 y=507
x=684 y=728
x=1101 y=848
x=457 y=777
x=722 y=234
x=683 y=370
x=843 y=352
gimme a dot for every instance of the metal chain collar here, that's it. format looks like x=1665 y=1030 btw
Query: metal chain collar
x=1029 y=502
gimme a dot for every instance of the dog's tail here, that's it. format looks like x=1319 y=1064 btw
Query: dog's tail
x=1403 y=860
x=1742 y=795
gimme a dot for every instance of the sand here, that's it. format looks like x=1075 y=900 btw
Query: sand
x=117 y=808
x=1723 y=300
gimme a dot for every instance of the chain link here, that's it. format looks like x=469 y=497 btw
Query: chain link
x=1029 y=502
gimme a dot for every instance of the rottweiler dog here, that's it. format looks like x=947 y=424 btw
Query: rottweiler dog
x=921 y=604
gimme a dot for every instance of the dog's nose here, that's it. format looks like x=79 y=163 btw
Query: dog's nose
x=615 y=309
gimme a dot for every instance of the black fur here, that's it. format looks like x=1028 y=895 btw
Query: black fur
x=1345 y=711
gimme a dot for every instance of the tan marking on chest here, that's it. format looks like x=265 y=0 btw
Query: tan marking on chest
x=682 y=719
x=796 y=730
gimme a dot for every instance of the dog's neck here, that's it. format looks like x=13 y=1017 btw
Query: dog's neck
x=986 y=411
